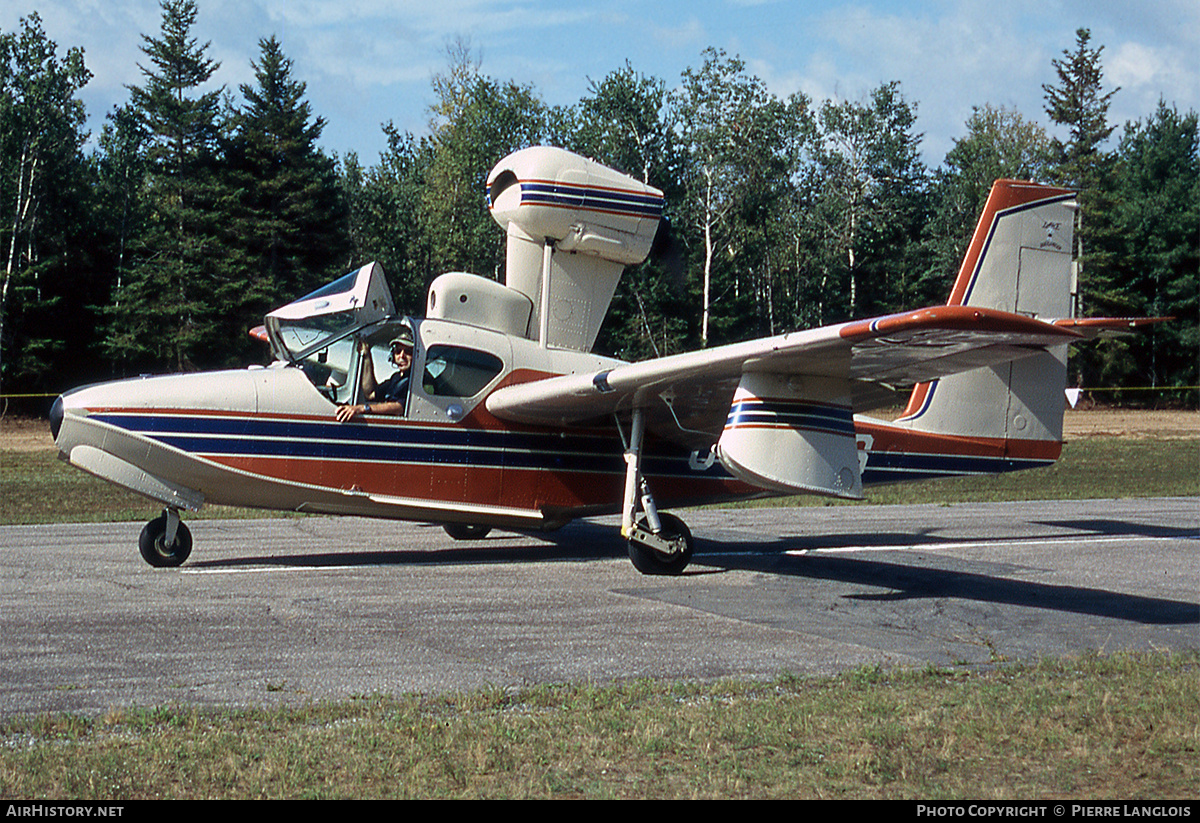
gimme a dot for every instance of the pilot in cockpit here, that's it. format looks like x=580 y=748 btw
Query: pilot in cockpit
x=390 y=396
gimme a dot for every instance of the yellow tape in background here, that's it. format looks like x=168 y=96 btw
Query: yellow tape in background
x=1139 y=388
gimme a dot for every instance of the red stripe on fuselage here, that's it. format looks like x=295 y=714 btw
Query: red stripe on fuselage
x=508 y=487
x=897 y=439
x=518 y=487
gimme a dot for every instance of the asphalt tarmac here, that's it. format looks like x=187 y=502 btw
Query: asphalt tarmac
x=283 y=611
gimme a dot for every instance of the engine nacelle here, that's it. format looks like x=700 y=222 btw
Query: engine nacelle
x=577 y=203
x=573 y=225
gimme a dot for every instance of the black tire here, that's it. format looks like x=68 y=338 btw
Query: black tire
x=466 y=531
x=648 y=561
x=152 y=544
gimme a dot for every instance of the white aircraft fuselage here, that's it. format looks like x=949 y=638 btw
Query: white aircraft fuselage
x=509 y=420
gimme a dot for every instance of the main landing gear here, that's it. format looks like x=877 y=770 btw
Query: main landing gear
x=466 y=531
x=165 y=540
x=658 y=543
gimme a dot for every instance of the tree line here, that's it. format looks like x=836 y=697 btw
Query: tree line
x=158 y=245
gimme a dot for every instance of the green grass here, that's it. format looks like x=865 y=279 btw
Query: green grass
x=39 y=488
x=1119 y=727
x=1095 y=468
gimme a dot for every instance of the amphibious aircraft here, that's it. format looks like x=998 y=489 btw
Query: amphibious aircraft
x=512 y=421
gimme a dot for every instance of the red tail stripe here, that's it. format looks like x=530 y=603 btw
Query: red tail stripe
x=892 y=438
x=1005 y=194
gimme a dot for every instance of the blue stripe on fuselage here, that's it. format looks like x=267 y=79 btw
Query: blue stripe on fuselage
x=275 y=438
x=214 y=436
x=892 y=467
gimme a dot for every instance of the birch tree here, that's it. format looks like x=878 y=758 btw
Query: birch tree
x=40 y=142
x=869 y=182
x=741 y=145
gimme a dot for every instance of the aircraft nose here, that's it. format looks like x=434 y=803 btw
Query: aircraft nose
x=56 y=417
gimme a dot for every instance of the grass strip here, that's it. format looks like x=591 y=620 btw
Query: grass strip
x=1093 y=726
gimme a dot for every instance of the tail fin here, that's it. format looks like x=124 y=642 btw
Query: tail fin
x=1019 y=261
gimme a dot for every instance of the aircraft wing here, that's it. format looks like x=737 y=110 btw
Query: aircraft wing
x=1091 y=328
x=688 y=395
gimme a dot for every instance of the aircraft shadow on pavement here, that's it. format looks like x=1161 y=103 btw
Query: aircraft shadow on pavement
x=1124 y=528
x=574 y=542
x=921 y=578
x=932 y=576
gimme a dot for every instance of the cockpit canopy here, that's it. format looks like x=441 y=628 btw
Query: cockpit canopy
x=329 y=314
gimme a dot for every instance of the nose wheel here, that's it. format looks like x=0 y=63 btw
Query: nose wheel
x=165 y=541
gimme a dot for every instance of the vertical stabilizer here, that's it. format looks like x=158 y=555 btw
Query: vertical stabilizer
x=1019 y=261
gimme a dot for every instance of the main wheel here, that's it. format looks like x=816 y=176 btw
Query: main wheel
x=650 y=561
x=466 y=531
x=153 y=543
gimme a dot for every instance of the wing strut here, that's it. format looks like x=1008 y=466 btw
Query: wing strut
x=658 y=544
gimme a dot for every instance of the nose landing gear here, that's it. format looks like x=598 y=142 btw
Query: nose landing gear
x=165 y=541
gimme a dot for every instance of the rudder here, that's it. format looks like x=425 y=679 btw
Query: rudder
x=1019 y=261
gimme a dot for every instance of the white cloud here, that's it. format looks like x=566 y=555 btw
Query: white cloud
x=1134 y=65
x=370 y=60
x=690 y=34
x=946 y=62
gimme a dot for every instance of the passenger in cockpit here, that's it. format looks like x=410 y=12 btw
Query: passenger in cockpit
x=390 y=396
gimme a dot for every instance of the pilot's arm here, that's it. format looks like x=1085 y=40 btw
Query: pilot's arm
x=366 y=380
x=345 y=413
x=367 y=383
x=370 y=387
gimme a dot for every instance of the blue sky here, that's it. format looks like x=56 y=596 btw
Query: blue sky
x=367 y=62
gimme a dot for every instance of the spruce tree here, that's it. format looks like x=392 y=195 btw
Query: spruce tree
x=166 y=313
x=1080 y=103
x=1158 y=221
x=292 y=222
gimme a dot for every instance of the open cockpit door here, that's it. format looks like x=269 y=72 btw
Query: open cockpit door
x=329 y=314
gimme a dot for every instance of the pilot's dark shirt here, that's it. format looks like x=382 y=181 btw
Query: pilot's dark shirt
x=393 y=390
